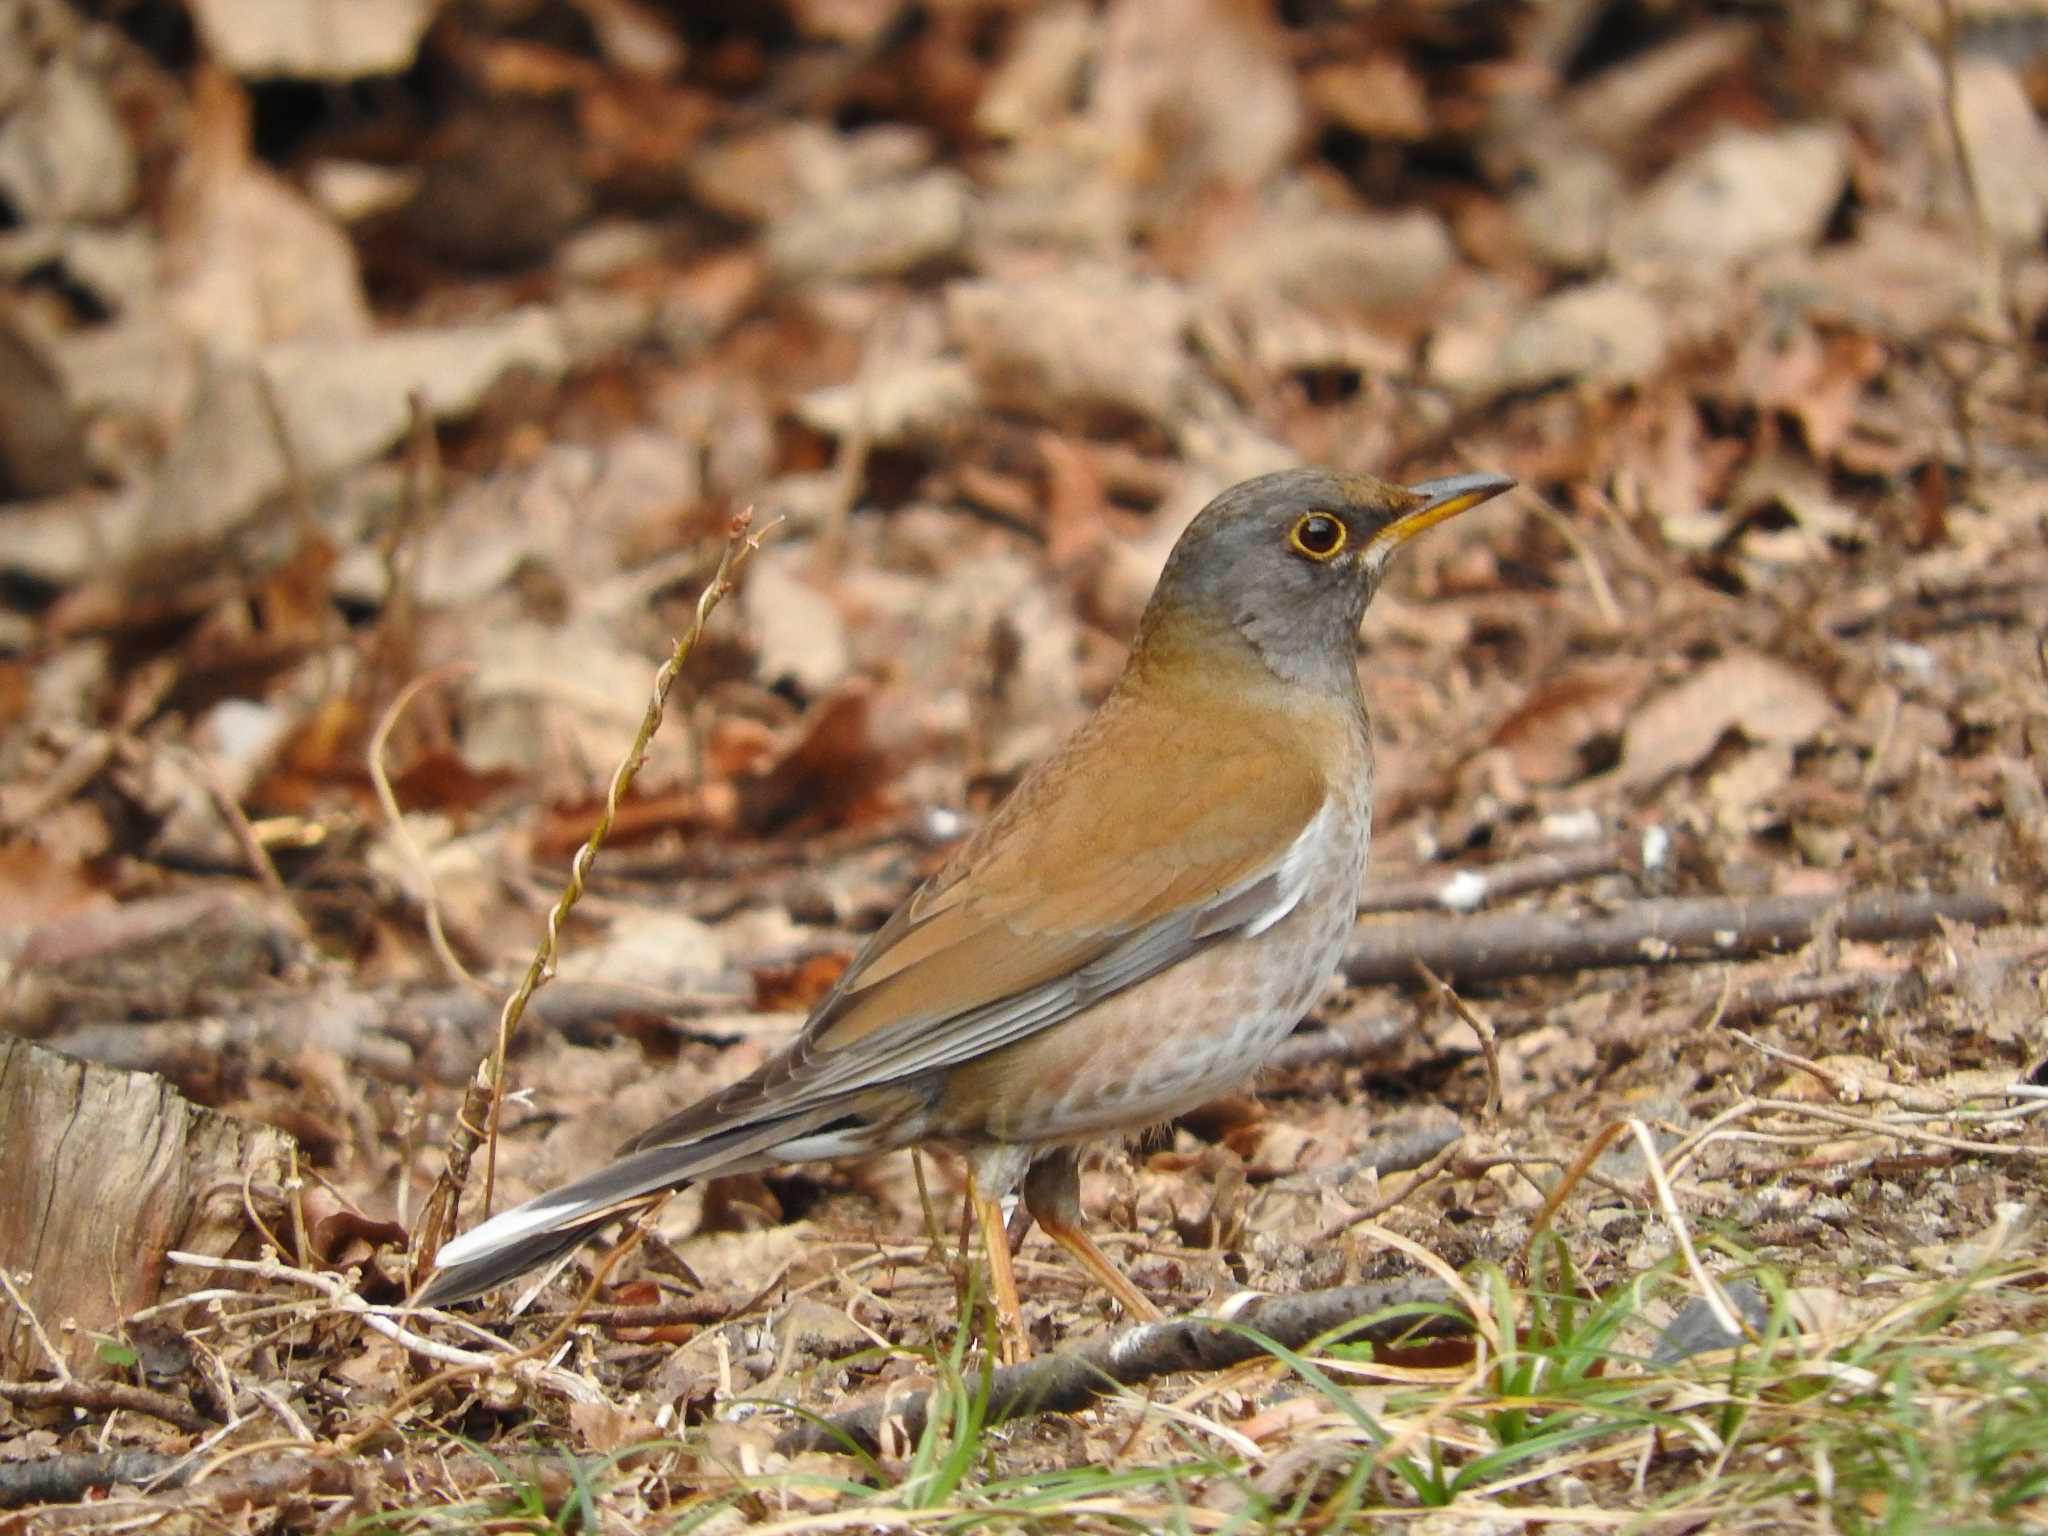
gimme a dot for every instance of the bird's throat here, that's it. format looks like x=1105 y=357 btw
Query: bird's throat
x=1189 y=650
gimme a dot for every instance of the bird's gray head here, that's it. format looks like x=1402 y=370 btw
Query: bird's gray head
x=1289 y=560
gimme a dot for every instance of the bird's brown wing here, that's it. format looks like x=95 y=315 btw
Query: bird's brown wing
x=1018 y=933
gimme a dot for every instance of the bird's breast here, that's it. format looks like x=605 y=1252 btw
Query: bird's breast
x=1197 y=1029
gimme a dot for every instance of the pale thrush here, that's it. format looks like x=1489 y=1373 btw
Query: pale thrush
x=1139 y=923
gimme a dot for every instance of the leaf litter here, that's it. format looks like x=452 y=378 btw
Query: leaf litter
x=981 y=310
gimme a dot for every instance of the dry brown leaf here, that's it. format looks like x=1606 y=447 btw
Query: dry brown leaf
x=37 y=886
x=332 y=40
x=1379 y=95
x=1815 y=377
x=831 y=776
x=1763 y=698
x=605 y=1428
x=1547 y=736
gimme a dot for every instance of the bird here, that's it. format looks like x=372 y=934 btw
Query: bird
x=1129 y=934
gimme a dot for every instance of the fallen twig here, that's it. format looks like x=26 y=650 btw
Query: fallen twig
x=1396 y=1149
x=12 y=1290
x=1467 y=890
x=1489 y=1046
x=712 y=1307
x=398 y=1034
x=104 y=1397
x=1072 y=1379
x=1424 y=1171
x=1494 y=946
x=1762 y=998
x=416 y=860
x=65 y=1479
x=1344 y=1043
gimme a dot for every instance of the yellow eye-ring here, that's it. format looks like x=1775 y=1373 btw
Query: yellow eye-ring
x=1317 y=535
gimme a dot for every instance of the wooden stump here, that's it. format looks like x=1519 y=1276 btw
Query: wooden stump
x=101 y=1173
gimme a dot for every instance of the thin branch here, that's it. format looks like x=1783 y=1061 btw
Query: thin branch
x=1399 y=1148
x=1580 y=1166
x=1904 y=1127
x=1494 y=946
x=408 y=845
x=1425 y=1172
x=713 y=1307
x=1072 y=1379
x=1488 y=1041
x=1468 y=889
x=1343 y=1043
x=1858 y=989
x=1666 y=1200
x=1988 y=255
x=9 y=1284
x=1589 y=561
x=65 y=1479
x=105 y=1397
x=258 y=858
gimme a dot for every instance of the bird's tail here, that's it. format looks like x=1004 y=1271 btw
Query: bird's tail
x=474 y=1269
x=550 y=1225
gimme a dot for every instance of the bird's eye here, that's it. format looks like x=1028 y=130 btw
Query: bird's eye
x=1317 y=535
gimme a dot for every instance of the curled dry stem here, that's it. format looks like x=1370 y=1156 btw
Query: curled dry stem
x=483 y=1106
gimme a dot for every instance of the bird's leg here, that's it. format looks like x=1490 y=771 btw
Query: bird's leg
x=1052 y=1193
x=1002 y=1276
x=1020 y=1227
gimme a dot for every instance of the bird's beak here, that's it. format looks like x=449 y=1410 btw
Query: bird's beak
x=1440 y=499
